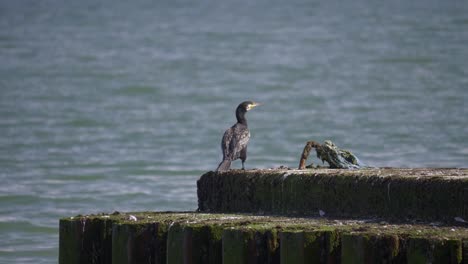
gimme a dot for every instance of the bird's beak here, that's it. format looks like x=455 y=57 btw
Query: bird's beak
x=252 y=106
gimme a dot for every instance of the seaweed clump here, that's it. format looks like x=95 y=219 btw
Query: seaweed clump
x=335 y=157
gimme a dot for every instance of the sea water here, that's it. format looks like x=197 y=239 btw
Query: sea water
x=120 y=106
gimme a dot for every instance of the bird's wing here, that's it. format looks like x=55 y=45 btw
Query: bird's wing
x=244 y=138
x=239 y=140
x=226 y=142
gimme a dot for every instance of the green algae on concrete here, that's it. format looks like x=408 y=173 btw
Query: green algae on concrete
x=401 y=194
x=88 y=239
x=205 y=243
x=85 y=240
x=250 y=244
x=309 y=247
x=175 y=244
x=237 y=245
x=422 y=250
x=465 y=250
x=138 y=243
x=370 y=248
x=194 y=243
x=267 y=246
x=321 y=246
x=172 y=237
x=292 y=247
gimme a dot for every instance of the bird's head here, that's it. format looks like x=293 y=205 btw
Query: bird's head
x=248 y=105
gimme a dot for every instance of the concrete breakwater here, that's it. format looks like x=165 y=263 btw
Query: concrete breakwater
x=398 y=194
x=233 y=238
x=267 y=216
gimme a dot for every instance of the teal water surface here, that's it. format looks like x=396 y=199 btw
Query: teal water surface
x=110 y=106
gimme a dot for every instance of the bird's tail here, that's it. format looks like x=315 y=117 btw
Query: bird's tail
x=224 y=165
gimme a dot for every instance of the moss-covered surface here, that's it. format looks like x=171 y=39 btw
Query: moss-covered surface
x=237 y=246
x=292 y=247
x=371 y=248
x=465 y=250
x=250 y=244
x=85 y=240
x=395 y=194
x=421 y=250
x=188 y=237
x=194 y=243
x=139 y=242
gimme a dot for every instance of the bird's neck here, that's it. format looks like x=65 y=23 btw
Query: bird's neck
x=240 y=115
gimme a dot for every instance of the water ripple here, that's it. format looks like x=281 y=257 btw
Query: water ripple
x=107 y=114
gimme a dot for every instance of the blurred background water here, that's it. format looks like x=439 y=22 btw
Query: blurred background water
x=121 y=106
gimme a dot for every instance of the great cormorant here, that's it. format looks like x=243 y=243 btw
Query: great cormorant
x=235 y=139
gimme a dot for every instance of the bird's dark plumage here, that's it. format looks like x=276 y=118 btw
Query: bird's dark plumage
x=235 y=139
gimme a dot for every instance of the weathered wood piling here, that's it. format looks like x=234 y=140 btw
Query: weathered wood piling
x=273 y=216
